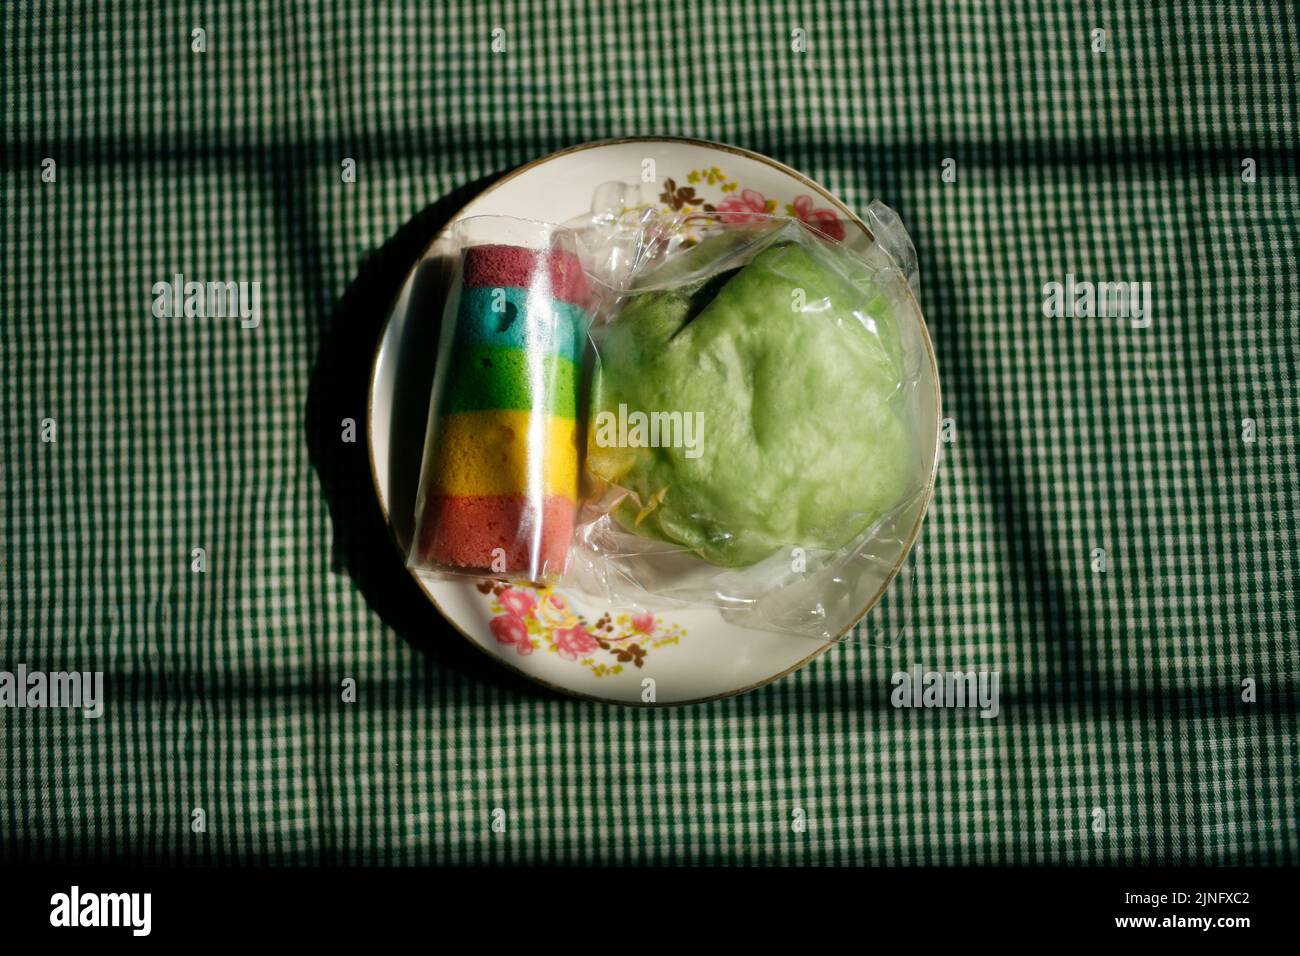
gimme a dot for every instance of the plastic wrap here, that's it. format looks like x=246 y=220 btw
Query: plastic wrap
x=748 y=437
x=498 y=486
x=751 y=435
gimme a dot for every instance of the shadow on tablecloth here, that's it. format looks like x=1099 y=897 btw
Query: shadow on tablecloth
x=339 y=389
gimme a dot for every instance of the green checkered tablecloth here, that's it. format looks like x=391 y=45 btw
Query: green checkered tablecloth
x=1167 y=156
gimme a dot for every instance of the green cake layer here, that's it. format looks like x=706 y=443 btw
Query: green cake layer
x=488 y=376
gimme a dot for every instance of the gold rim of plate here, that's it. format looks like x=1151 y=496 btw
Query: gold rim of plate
x=928 y=491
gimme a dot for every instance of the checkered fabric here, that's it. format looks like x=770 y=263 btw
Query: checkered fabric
x=1148 y=710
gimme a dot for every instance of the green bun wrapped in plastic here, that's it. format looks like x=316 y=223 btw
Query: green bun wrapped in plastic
x=773 y=389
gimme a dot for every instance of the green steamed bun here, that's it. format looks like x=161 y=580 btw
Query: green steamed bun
x=801 y=442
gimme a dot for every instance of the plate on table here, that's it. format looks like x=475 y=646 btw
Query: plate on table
x=566 y=639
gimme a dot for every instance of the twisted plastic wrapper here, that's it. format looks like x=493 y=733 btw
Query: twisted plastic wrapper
x=752 y=433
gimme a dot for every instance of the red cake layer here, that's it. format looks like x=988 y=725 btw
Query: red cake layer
x=498 y=266
x=463 y=531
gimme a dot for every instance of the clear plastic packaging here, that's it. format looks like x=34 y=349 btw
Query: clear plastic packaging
x=498 y=486
x=752 y=434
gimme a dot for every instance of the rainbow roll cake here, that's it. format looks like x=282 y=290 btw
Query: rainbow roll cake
x=500 y=487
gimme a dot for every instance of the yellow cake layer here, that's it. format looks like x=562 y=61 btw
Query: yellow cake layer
x=506 y=453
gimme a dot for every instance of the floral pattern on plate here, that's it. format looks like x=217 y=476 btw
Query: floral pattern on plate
x=745 y=205
x=531 y=618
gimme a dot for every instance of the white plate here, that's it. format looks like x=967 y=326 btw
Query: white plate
x=561 y=639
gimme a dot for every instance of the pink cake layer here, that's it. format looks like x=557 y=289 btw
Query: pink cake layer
x=464 y=531
x=500 y=266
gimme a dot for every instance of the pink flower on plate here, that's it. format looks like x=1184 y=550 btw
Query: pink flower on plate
x=509 y=629
x=516 y=602
x=574 y=642
x=825 y=221
x=643 y=623
x=749 y=205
